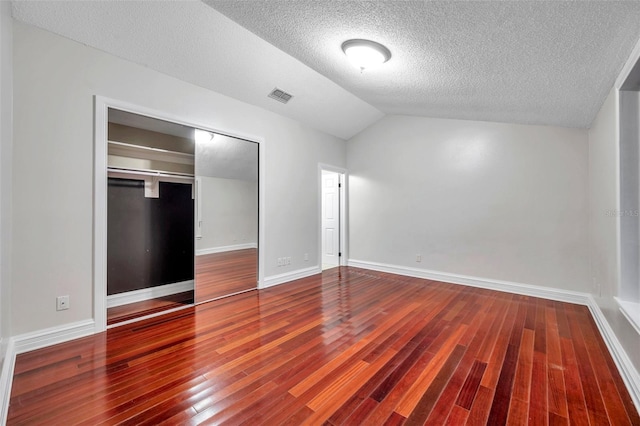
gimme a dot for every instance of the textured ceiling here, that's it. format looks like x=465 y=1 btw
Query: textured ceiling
x=191 y=41
x=228 y=158
x=525 y=62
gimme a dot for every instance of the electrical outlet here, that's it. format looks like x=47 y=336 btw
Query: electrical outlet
x=62 y=303
x=306 y=257
x=418 y=258
x=283 y=261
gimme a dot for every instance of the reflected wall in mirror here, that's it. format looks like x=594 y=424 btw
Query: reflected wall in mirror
x=226 y=215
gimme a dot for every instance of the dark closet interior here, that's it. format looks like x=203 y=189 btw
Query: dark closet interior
x=149 y=240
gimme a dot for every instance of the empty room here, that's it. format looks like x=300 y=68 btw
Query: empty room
x=320 y=212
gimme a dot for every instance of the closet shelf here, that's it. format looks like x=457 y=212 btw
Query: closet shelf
x=148 y=172
x=122 y=149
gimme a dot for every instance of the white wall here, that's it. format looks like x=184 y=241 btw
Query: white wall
x=6 y=143
x=603 y=237
x=486 y=200
x=229 y=210
x=55 y=81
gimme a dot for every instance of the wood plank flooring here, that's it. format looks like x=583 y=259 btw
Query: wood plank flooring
x=349 y=346
x=220 y=274
x=131 y=311
x=217 y=275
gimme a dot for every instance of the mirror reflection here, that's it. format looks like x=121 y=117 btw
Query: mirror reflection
x=226 y=215
x=182 y=216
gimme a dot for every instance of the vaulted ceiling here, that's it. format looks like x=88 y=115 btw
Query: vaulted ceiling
x=525 y=62
x=549 y=63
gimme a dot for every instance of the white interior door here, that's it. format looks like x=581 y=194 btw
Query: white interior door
x=330 y=219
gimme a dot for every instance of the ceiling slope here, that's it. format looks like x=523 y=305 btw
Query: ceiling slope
x=195 y=43
x=531 y=62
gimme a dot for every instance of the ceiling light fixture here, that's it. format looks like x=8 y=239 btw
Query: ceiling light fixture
x=365 y=53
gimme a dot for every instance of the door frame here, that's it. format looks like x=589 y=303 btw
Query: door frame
x=100 y=149
x=343 y=245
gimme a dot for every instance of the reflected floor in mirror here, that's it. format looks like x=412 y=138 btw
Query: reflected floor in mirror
x=345 y=347
x=221 y=274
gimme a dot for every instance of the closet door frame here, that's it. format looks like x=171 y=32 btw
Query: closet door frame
x=101 y=108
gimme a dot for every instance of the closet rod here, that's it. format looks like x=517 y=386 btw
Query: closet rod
x=149 y=173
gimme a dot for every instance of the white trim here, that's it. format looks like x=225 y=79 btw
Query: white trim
x=6 y=378
x=628 y=66
x=101 y=105
x=634 y=58
x=618 y=193
x=223 y=249
x=631 y=311
x=491 y=284
x=155 y=314
x=290 y=276
x=52 y=336
x=629 y=374
x=31 y=341
x=262 y=211
x=627 y=371
x=224 y=296
x=134 y=296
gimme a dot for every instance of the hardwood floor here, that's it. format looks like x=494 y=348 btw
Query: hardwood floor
x=349 y=346
x=147 y=307
x=220 y=274
x=217 y=275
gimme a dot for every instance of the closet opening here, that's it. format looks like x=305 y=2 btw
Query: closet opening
x=150 y=210
x=177 y=217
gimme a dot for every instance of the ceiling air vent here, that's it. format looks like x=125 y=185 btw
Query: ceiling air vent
x=280 y=95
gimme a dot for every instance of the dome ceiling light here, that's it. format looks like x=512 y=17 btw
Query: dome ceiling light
x=365 y=53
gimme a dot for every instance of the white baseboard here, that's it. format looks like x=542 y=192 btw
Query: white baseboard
x=631 y=311
x=629 y=374
x=290 y=276
x=6 y=377
x=52 y=336
x=498 y=285
x=134 y=296
x=223 y=249
x=31 y=341
x=145 y=317
x=626 y=368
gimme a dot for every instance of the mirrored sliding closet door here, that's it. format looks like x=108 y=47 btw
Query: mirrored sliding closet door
x=182 y=216
x=226 y=215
